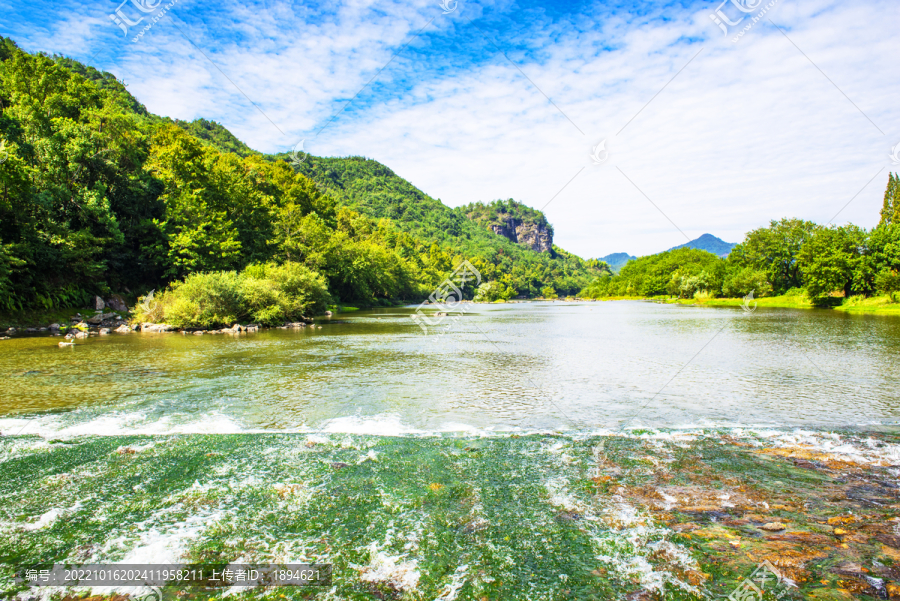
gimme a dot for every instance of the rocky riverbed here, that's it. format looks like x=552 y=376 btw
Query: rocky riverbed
x=634 y=516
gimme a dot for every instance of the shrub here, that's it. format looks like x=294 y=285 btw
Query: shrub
x=267 y=294
x=277 y=293
x=489 y=292
x=888 y=282
x=204 y=300
x=741 y=282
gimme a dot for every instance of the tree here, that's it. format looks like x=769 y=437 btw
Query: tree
x=774 y=250
x=890 y=211
x=836 y=258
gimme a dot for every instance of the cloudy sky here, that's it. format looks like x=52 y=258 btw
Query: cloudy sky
x=701 y=130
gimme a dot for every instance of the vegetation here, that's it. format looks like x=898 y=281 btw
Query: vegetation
x=501 y=212
x=794 y=262
x=268 y=294
x=97 y=195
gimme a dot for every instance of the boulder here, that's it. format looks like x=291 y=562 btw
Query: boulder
x=199 y=333
x=10 y=331
x=123 y=329
x=156 y=327
x=99 y=305
x=117 y=303
x=104 y=331
x=80 y=334
x=96 y=319
x=66 y=344
x=327 y=313
x=54 y=326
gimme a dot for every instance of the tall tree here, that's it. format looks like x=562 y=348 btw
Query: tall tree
x=774 y=250
x=836 y=258
x=890 y=211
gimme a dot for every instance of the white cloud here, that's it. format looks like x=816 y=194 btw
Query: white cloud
x=746 y=133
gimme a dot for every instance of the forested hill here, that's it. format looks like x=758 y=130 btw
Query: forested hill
x=367 y=186
x=514 y=221
x=99 y=196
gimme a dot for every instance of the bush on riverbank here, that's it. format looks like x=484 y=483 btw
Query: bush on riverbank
x=267 y=294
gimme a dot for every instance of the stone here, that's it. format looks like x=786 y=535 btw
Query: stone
x=117 y=303
x=104 y=331
x=773 y=527
x=99 y=305
x=95 y=319
x=62 y=344
x=156 y=327
x=11 y=331
x=199 y=333
x=80 y=334
x=123 y=329
x=328 y=313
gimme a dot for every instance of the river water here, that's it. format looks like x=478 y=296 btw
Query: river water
x=527 y=366
x=615 y=450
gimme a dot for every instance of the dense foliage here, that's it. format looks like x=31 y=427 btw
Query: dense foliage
x=503 y=212
x=374 y=190
x=788 y=256
x=100 y=196
x=268 y=294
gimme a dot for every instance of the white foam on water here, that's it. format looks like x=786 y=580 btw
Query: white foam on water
x=161 y=546
x=377 y=425
x=390 y=570
x=119 y=423
x=457 y=581
x=858 y=449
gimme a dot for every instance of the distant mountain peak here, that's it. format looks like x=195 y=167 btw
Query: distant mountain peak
x=709 y=243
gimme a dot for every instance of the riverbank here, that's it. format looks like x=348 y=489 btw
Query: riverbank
x=879 y=305
x=639 y=515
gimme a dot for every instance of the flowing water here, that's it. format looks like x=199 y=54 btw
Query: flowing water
x=530 y=451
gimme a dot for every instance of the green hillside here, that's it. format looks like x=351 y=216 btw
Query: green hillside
x=101 y=197
x=374 y=190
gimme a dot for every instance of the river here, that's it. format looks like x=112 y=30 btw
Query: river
x=530 y=451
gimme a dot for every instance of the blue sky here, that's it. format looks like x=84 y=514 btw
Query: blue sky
x=705 y=134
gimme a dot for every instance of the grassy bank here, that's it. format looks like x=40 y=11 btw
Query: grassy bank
x=781 y=302
x=882 y=305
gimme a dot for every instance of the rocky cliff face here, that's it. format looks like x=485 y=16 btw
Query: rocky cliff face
x=532 y=235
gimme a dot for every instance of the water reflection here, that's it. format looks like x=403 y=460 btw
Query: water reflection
x=529 y=365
